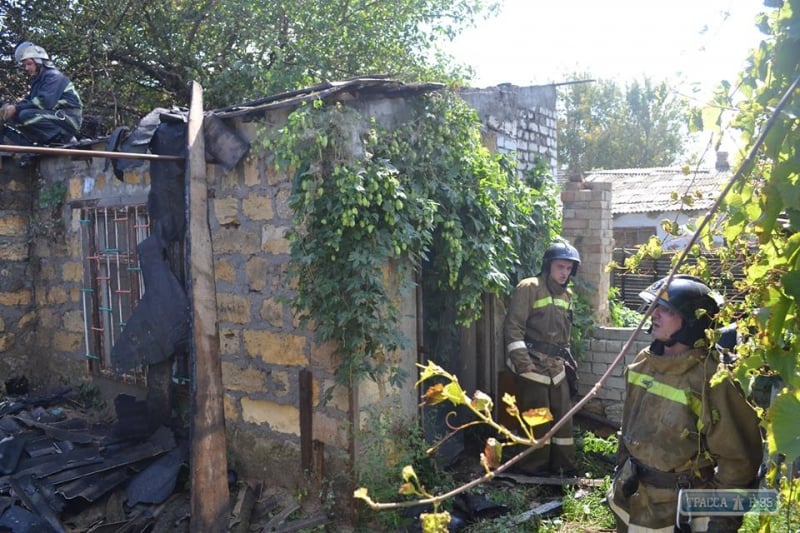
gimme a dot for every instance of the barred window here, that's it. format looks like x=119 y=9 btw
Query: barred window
x=114 y=284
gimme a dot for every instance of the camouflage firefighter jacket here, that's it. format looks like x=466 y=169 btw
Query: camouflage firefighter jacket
x=540 y=310
x=674 y=420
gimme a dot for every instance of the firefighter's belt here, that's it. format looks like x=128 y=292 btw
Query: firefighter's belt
x=549 y=349
x=670 y=480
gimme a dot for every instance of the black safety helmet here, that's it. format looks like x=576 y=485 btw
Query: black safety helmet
x=561 y=250
x=686 y=295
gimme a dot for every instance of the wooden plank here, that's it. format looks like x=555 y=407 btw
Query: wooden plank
x=541 y=510
x=209 y=467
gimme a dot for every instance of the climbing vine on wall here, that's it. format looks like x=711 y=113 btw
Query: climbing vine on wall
x=366 y=196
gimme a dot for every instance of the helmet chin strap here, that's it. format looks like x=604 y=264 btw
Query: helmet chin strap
x=657 y=346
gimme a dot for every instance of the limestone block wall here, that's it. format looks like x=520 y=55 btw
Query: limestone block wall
x=262 y=346
x=17 y=297
x=58 y=349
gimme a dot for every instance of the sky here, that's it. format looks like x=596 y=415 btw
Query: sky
x=536 y=42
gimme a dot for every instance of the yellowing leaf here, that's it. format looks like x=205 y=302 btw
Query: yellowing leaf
x=440 y=392
x=434 y=395
x=538 y=416
x=510 y=400
x=408 y=473
x=407 y=489
x=428 y=371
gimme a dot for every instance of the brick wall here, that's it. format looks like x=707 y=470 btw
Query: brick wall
x=600 y=350
x=518 y=120
x=587 y=224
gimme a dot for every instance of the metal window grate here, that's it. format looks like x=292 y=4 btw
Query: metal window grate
x=113 y=281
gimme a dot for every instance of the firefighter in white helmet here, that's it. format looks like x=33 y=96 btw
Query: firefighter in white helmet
x=51 y=113
x=678 y=429
x=537 y=332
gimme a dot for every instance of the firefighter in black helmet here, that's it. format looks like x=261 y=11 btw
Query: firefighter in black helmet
x=679 y=430
x=537 y=331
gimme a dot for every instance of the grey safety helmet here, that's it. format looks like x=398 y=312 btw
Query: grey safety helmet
x=692 y=299
x=561 y=250
x=28 y=50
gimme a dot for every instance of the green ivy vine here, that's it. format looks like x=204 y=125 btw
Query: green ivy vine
x=425 y=190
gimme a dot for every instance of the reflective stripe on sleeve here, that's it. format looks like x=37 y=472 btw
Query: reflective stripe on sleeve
x=623 y=515
x=563 y=441
x=538 y=378
x=516 y=345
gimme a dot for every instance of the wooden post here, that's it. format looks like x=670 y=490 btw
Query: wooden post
x=209 y=469
x=306 y=419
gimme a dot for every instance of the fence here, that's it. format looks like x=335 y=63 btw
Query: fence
x=650 y=270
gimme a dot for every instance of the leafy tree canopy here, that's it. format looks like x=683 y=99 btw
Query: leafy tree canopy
x=604 y=125
x=127 y=57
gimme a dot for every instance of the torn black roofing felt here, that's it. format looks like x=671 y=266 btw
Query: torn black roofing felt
x=56 y=461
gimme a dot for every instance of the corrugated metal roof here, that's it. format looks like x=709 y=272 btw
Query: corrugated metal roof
x=648 y=190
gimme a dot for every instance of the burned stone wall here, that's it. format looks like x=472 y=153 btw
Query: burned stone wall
x=17 y=309
x=264 y=352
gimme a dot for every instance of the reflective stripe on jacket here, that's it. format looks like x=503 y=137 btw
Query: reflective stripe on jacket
x=675 y=421
x=52 y=90
x=539 y=310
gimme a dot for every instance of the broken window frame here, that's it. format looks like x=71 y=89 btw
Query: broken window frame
x=114 y=284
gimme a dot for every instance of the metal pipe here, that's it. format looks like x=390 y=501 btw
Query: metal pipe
x=44 y=150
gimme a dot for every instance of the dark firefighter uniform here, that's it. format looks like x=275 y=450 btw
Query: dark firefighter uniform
x=537 y=333
x=51 y=112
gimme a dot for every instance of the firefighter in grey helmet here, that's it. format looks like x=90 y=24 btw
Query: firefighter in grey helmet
x=536 y=332
x=679 y=430
x=52 y=111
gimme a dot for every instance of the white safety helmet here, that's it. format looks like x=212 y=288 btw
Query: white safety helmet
x=31 y=51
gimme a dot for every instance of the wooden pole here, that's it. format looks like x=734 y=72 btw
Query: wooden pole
x=209 y=469
x=74 y=152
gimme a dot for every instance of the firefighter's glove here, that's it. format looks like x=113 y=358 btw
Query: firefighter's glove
x=631 y=484
x=6 y=113
x=571 y=370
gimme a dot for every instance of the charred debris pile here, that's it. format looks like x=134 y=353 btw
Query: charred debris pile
x=64 y=467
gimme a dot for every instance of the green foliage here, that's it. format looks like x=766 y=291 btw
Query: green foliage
x=603 y=125
x=382 y=203
x=128 y=57
x=763 y=210
x=89 y=396
x=389 y=442
x=53 y=196
x=582 y=316
x=588 y=508
x=619 y=315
